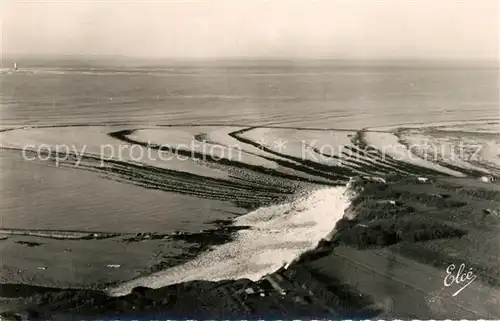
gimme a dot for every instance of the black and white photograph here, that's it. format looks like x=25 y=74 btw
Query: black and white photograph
x=249 y=160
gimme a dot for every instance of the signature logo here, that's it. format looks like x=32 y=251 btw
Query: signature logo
x=459 y=277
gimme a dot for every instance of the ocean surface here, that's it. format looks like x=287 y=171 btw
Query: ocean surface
x=129 y=147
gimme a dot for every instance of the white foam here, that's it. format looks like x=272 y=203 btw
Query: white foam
x=278 y=235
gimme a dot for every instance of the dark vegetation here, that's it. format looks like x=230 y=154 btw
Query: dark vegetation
x=29 y=244
x=198 y=300
x=392 y=231
x=198 y=242
x=385 y=217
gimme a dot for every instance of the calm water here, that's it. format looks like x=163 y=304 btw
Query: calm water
x=306 y=95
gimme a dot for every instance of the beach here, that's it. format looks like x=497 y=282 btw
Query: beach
x=140 y=185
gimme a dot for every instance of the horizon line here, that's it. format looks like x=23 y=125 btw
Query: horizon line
x=246 y=58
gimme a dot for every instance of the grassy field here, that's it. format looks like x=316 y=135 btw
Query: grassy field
x=401 y=238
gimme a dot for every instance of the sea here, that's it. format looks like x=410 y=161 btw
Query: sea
x=147 y=147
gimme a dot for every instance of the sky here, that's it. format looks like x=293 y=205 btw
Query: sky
x=373 y=29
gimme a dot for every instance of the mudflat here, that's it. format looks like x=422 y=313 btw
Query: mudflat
x=405 y=248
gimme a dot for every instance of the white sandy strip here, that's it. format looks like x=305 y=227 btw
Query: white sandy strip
x=184 y=140
x=439 y=125
x=300 y=143
x=490 y=153
x=486 y=128
x=221 y=135
x=388 y=144
x=278 y=235
x=94 y=140
x=457 y=151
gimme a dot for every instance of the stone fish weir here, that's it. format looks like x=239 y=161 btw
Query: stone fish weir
x=377 y=263
x=384 y=215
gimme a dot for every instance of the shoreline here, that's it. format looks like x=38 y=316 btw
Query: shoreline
x=443 y=213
